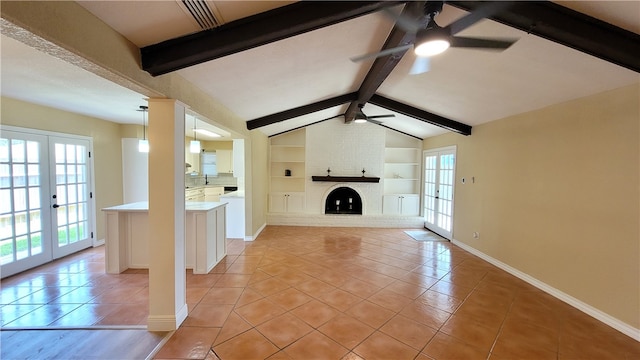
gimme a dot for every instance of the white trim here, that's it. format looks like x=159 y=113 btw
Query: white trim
x=443 y=148
x=617 y=324
x=333 y=220
x=167 y=322
x=255 y=235
x=45 y=132
x=451 y=148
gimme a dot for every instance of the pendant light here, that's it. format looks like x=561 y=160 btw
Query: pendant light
x=194 y=146
x=143 y=144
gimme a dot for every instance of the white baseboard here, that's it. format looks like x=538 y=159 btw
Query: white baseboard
x=251 y=238
x=585 y=308
x=167 y=322
x=330 y=220
x=98 y=242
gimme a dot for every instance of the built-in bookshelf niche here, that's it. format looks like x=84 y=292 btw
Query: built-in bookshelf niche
x=287 y=173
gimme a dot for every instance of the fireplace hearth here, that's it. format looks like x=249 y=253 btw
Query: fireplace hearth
x=343 y=200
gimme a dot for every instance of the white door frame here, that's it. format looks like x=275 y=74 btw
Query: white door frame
x=46 y=188
x=447 y=233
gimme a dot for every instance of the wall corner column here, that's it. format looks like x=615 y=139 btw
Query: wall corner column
x=167 y=276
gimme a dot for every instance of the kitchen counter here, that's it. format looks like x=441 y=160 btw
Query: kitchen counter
x=143 y=206
x=127 y=240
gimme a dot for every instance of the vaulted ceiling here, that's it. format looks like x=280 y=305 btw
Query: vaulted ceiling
x=284 y=65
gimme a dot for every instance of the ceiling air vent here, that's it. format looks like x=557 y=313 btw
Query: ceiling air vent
x=202 y=12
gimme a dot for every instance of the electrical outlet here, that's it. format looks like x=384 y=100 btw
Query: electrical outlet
x=476 y=235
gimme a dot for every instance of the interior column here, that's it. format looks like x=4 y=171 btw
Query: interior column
x=167 y=279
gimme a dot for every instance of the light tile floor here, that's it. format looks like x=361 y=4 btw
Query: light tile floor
x=327 y=293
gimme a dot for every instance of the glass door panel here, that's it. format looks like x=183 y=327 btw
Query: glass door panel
x=45 y=203
x=24 y=243
x=439 y=182
x=430 y=172
x=71 y=195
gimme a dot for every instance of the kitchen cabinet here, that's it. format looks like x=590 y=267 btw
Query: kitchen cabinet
x=212 y=193
x=127 y=236
x=287 y=202
x=194 y=194
x=224 y=160
x=401 y=204
x=191 y=159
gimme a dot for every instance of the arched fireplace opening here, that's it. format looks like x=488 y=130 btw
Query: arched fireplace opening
x=343 y=200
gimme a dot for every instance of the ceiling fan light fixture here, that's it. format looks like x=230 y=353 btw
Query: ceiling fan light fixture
x=360 y=121
x=431 y=47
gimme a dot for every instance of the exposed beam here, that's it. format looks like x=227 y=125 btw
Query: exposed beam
x=250 y=32
x=570 y=28
x=422 y=115
x=383 y=66
x=299 y=111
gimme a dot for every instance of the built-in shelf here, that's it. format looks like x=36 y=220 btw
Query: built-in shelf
x=402 y=170
x=367 y=179
x=287 y=172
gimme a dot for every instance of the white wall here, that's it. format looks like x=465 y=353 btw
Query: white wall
x=346 y=149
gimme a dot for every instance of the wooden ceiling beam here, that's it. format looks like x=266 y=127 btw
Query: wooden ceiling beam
x=299 y=111
x=420 y=114
x=569 y=28
x=250 y=32
x=383 y=66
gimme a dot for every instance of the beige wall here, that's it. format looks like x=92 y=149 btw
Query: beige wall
x=557 y=197
x=107 y=148
x=76 y=36
x=260 y=179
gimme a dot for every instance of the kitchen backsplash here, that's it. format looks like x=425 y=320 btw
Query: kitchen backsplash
x=199 y=180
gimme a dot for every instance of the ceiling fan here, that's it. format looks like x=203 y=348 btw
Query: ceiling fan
x=433 y=39
x=360 y=117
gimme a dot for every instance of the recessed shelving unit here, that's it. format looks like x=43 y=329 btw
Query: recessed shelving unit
x=287 y=174
x=402 y=157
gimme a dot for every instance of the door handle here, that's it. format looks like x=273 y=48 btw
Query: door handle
x=55 y=206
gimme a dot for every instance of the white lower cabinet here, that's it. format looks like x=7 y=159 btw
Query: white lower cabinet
x=286 y=202
x=401 y=204
x=194 y=194
x=213 y=193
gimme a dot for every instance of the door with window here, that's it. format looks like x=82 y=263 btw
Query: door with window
x=45 y=199
x=439 y=183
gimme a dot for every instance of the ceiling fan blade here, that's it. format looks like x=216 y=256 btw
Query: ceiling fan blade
x=484 y=11
x=380 y=116
x=422 y=64
x=374 y=121
x=381 y=53
x=484 y=43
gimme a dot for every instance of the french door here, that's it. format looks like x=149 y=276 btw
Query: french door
x=46 y=208
x=439 y=183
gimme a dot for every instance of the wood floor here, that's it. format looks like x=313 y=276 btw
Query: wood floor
x=71 y=344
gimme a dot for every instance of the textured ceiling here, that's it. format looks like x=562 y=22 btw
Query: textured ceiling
x=468 y=86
